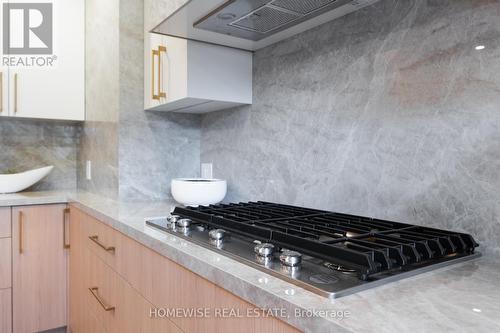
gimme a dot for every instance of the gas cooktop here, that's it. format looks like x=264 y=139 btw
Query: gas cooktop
x=331 y=254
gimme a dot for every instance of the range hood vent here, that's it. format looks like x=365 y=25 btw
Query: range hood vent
x=252 y=24
x=278 y=13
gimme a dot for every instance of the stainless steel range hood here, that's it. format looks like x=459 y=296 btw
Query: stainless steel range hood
x=252 y=24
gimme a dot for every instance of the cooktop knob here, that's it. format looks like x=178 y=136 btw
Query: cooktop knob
x=290 y=258
x=173 y=218
x=264 y=249
x=184 y=223
x=217 y=234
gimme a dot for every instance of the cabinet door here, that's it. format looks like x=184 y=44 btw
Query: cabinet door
x=4 y=79
x=153 y=79
x=49 y=86
x=165 y=66
x=4 y=222
x=5 y=311
x=39 y=258
x=4 y=91
x=5 y=263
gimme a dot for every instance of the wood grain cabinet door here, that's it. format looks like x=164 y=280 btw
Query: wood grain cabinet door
x=39 y=258
x=5 y=311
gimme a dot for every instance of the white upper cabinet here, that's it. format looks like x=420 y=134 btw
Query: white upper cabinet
x=195 y=77
x=45 y=56
x=4 y=91
x=4 y=74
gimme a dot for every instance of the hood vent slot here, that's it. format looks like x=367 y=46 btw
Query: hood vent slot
x=264 y=20
x=302 y=7
x=278 y=13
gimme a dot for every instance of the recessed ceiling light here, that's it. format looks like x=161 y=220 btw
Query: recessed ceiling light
x=480 y=47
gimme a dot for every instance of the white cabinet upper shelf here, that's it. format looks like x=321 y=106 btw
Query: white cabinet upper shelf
x=195 y=77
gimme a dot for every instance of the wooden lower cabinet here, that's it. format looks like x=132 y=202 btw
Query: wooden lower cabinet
x=39 y=268
x=5 y=311
x=100 y=299
x=5 y=222
x=134 y=280
x=5 y=263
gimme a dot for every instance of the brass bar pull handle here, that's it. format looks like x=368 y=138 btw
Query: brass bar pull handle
x=106 y=307
x=65 y=213
x=21 y=231
x=95 y=239
x=1 y=92
x=15 y=92
x=160 y=50
x=153 y=95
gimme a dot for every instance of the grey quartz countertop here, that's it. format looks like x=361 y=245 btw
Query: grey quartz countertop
x=461 y=298
x=33 y=198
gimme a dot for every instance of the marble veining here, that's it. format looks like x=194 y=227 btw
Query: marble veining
x=27 y=144
x=134 y=153
x=388 y=112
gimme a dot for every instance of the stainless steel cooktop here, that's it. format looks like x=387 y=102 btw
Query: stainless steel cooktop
x=328 y=253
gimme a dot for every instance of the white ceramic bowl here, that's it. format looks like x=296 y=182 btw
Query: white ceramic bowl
x=198 y=191
x=16 y=182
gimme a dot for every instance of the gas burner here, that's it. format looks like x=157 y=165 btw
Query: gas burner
x=264 y=249
x=290 y=258
x=339 y=268
x=217 y=234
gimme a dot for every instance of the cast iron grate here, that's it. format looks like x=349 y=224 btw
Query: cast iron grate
x=368 y=246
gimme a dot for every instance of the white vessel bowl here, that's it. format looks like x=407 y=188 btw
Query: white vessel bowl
x=198 y=191
x=16 y=182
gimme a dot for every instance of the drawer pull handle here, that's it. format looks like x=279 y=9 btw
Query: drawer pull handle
x=65 y=213
x=95 y=239
x=106 y=307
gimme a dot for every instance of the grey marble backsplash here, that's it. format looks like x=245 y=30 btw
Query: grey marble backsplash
x=27 y=144
x=134 y=153
x=388 y=112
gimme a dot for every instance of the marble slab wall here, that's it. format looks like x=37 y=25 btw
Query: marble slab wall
x=99 y=142
x=154 y=147
x=134 y=153
x=388 y=112
x=27 y=144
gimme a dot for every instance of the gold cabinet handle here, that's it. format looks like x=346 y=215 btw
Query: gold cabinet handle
x=21 y=231
x=153 y=95
x=95 y=239
x=105 y=306
x=161 y=49
x=65 y=214
x=157 y=53
x=15 y=92
x=1 y=92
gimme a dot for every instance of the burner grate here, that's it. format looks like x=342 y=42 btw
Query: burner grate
x=365 y=245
